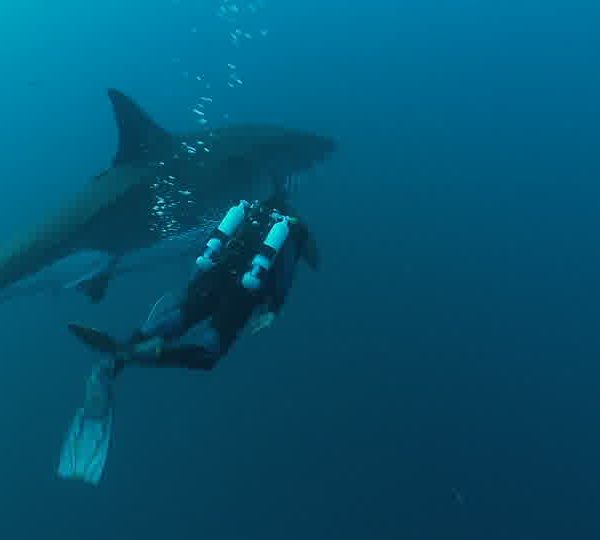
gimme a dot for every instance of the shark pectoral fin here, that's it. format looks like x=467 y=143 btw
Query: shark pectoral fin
x=94 y=287
x=95 y=284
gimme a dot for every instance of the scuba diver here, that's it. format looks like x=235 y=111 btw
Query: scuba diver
x=241 y=279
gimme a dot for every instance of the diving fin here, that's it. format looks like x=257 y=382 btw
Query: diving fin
x=96 y=340
x=84 y=452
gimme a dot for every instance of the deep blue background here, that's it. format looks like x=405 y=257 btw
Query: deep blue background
x=438 y=379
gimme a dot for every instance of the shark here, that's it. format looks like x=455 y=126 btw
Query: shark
x=86 y=269
x=160 y=185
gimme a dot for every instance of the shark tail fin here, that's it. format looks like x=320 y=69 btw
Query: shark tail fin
x=96 y=340
x=138 y=132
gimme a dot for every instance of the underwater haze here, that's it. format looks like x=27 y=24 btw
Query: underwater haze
x=439 y=378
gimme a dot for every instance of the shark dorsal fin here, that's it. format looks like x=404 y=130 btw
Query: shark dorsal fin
x=138 y=133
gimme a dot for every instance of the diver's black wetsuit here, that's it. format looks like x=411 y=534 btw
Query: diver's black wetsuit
x=249 y=262
x=217 y=296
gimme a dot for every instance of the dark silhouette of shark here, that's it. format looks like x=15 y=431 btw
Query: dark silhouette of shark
x=159 y=185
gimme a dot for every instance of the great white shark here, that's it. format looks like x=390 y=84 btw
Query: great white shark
x=160 y=184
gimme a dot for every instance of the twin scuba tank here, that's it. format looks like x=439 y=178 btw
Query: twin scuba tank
x=263 y=261
x=222 y=234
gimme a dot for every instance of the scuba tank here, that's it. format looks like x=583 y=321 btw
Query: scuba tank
x=263 y=260
x=223 y=233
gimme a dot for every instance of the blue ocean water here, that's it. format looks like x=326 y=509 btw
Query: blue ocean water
x=437 y=379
